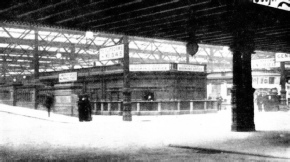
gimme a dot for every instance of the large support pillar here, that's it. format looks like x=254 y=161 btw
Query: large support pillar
x=242 y=93
x=282 y=83
x=36 y=67
x=4 y=67
x=127 y=116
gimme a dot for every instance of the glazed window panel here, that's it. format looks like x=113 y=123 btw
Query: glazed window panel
x=271 y=80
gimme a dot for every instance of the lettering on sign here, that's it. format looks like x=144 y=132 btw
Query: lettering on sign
x=279 y=4
x=193 y=68
x=264 y=63
x=150 y=67
x=68 y=77
x=281 y=57
x=110 y=53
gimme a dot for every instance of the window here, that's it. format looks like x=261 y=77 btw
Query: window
x=266 y=80
x=271 y=80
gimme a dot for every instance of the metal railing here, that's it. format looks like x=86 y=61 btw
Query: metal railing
x=155 y=107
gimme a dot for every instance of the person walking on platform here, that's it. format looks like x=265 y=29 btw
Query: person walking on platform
x=260 y=99
x=219 y=102
x=88 y=109
x=48 y=103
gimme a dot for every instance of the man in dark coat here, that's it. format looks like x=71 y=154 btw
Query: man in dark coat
x=48 y=103
x=88 y=109
x=219 y=102
x=260 y=100
x=81 y=108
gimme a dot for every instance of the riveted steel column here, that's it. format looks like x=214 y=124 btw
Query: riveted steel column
x=242 y=92
x=36 y=67
x=127 y=116
x=283 y=82
x=36 y=56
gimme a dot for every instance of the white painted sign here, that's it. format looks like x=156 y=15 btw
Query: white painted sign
x=68 y=77
x=264 y=63
x=113 y=52
x=188 y=67
x=282 y=57
x=279 y=4
x=150 y=67
x=63 y=99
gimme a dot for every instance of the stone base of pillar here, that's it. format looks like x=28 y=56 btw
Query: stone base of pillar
x=243 y=122
x=243 y=127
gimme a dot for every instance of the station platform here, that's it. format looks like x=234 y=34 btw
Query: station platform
x=203 y=132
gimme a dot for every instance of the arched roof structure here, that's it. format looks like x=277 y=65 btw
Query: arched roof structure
x=210 y=20
x=62 y=27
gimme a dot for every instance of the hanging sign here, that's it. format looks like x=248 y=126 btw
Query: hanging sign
x=68 y=77
x=113 y=52
x=282 y=57
x=189 y=67
x=279 y=4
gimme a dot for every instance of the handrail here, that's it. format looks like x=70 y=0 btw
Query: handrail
x=140 y=107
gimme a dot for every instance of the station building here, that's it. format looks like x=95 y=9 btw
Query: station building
x=163 y=78
x=266 y=80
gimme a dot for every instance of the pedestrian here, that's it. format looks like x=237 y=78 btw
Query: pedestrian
x=219 y=102
x=260 y=99
x=88 y=108
x=81 y=108
x=48 y=103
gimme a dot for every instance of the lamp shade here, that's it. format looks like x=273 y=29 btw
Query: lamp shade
x=191 y=48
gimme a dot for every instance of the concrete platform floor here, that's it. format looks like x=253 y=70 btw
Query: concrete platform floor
x=27 y=134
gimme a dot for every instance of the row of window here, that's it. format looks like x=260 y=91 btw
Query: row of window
x=266 y=80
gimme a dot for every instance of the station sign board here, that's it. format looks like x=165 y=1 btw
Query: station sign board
x=111 y=53
x=264 y=63
x=190 y=67
x=150 y=67
x=279 y=4
x=282 y=57
x=68 y=77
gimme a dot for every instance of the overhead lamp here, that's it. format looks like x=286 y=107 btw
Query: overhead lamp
x=191 y=48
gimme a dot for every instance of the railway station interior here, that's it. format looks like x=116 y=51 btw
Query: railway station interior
x=139 y=57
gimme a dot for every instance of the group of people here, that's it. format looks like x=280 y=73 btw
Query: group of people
x=219 y=99
x=84 y=107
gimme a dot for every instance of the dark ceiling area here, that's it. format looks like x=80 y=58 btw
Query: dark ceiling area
x=209 y=20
